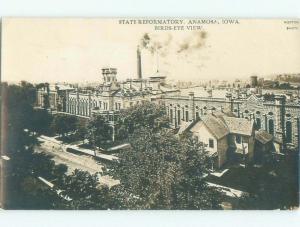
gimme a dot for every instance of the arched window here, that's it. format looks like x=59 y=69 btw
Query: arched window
x=288 y=131
x=171 y=115
x=258 y=123
x=186 y=116
x=271 y=126
x=87 y=107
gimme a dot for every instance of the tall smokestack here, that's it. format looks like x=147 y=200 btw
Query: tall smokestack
x=139 y=63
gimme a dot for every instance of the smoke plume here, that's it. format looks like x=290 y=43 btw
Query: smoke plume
x=193 y=42
x=156 y=45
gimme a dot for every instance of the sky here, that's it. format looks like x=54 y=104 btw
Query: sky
x=75 y=50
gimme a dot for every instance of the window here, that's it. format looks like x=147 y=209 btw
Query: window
x=211 y=143
x=238 y=139
x=178 y=117
x=171 y=115
x=288 y=132
x=258 y=123
x=186 y=116
x=271 y=127
x=197 y=115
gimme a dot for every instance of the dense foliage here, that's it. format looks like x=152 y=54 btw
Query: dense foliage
x=146 y=114
x=160 y=171
x=99 y=133
x=63 y=124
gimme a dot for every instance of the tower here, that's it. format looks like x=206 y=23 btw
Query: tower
x=139 y=63
x=109 y=75
x=253 y=81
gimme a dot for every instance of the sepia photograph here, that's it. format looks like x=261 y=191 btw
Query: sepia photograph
x=150 y=114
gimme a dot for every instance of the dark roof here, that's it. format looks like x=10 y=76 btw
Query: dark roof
x=263 y=137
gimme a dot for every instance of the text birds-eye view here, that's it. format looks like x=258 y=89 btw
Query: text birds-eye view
x=106 y=115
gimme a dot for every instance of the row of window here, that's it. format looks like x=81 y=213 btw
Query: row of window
x=288 y=128
x=184 y=117
x=270 y=128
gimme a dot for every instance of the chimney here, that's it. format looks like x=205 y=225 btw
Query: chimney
x=139 y=63
x=192 y=105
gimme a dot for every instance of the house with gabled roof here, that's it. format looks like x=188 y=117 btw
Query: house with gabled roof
x=224 y=137
x=212 y=132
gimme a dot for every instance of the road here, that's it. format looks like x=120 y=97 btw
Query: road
x=73 y=161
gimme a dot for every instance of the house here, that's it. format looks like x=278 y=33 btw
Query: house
x=241 y=137
x=225 y=137
x=212 y=132
x=266 y=143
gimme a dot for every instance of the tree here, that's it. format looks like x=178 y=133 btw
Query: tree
x=22 y=188
x=83 y=192
x=98 y=131
x=41 y=121
x=63 y=124
x=160 y=171
x=142 y=115
x=81 y=131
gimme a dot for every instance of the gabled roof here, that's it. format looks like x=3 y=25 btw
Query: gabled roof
x=239 y=125
x=214 y=124
x=184 y=126
x=263 y=137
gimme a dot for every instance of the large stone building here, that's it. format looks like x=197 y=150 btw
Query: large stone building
x=108 y=98
x=278 y=116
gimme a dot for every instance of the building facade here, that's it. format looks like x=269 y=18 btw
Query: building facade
x=280 y=117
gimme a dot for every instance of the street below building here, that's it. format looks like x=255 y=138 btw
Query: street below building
x=59 y=154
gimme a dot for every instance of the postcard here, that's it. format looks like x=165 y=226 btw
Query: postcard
x=150 y=114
